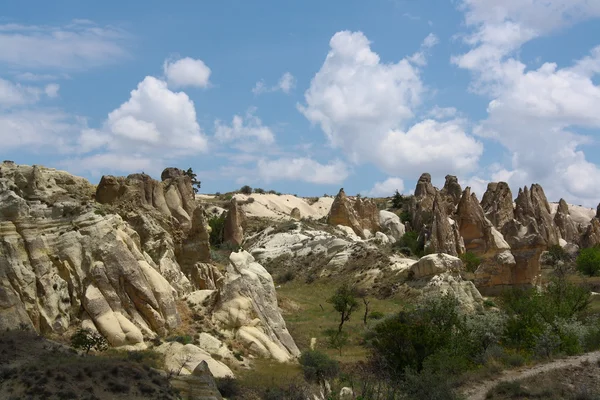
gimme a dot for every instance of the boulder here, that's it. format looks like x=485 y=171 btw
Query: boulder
x=435 y=264
x=235 y=222
x=248 y=310
x=567 y=227
x=497 y=204
x=183 y=359
x=295 y=214
x=469 y=298
x=391 y=224
x=199 y=385
x=359 y=215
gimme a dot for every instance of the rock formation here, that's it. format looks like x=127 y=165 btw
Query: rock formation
x=391 y=224
x=359 y=215
x=497 y=204
x=200 y=384
x=445 y=236
x=567 y=227
x=591 y=236
x=295 y=214
x=451 y=192
x=235 y=222
x=248 y=310
x=122 y=266
x=422 y=203
x=531 y=207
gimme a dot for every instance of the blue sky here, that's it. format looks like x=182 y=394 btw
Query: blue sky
x=307 y=97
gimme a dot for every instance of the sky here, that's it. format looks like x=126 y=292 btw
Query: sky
x=306 y=97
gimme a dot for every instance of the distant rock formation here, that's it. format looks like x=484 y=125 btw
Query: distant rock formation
x=295 y=214
x=235 y=222
x=445 y=236
x=422 y=203
x=591 y=236
x=567 y=227
x=451 y=192
x=360 y=215
x=497 y=204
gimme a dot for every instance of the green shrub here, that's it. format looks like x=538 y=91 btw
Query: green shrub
x=247 y=190
x=317 y=366
x=86 y=339
x=509 y=389
x=259 y=191
x=216 y=234
x=376 y=315
x=588 y=261
x=410 y=240
x=470 y=261
x=285 y=277
x=183 y=339
x=405 y=216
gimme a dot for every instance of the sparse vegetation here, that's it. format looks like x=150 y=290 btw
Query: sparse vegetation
x=470 y=261
x=87 y=340
x=196 y=184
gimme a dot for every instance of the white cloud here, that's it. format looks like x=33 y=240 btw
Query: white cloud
x=302 y=169
x=364 y=107
x=157 y=120
x=534 y=113
x=430 y=41
x=286 y=83
x=187 y=72
x=247 y=134
x=78 y=45
x=386 y=188
x=438 y=112
x=29 y=76
x=39 y=130
x=15 y=94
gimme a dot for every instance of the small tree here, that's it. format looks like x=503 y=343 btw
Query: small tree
x=344 y=302
x=247 y=190
x=317 y=366
x=588 y=261
x=336 y=340
x=86 y=339
x=397 y=200
x=195 y=182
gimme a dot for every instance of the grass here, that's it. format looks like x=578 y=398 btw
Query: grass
x=268 y=373
x=312 y=315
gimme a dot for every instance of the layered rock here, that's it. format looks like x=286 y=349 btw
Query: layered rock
x=361 y=215
x=497 y=204
x=567 y=227
x=484 y=240
x=235 y=222
x=61 y=262
x=247 y=310
x=445 y=236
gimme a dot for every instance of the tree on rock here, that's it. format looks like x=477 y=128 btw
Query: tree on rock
x=195 y=182
x=86 y=339
x=397 y=200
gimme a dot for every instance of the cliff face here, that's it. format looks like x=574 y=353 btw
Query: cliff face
x=119 y=265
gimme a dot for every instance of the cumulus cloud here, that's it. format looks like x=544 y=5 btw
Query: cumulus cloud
x=535 y=113
x=286 y=83
x=302 y=169
x=246 y=133
x=80 y=44
x=364 y=107
x=15 y=94
x=387 y=187
x=187 y=72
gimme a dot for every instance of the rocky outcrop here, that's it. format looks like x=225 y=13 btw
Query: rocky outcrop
x=295 y=214
x=445 y=236
x=360 y=215
x=435 y=264
x=532 y=208
x=391 y=224
x=183 y=359
x=422 y=203
x=591 y=236
x=200 y=384
x=497 y=204
x=235 y=222
x=451 y=192
x=247 y=310
x=62 y=263
x=567 y=227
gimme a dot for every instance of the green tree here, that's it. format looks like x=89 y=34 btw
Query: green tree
x=87 y=340
x=317 y=366
x=195 y=182
x=588 y=261
x=470 y=261
x=344 y=302
x=247 y=190
x=216 y=234
x=397 y=200
x=336 y=340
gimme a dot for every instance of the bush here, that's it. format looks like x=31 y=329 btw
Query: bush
x=259 y=191
x=183 y=339
x=405 y=216
x=470 y=261
x=376 y=315
x=317 y=366
x=228 y=386
x=287 y=276
x=216 y=234
x=588 y=261
x=410 y=240
x=86 y=339
x=246 y=190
